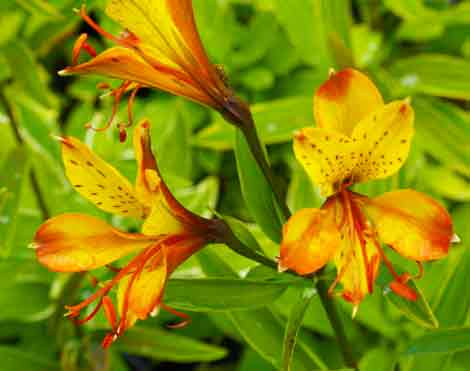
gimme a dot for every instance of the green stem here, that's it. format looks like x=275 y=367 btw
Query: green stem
x=32 y=174
x=257 y=149
x=335 y=320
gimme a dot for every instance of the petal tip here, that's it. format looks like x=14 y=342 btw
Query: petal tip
x=455 y=239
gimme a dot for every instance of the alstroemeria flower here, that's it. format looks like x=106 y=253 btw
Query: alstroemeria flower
x=359 y=138
x=159 y=48
x=78 y=243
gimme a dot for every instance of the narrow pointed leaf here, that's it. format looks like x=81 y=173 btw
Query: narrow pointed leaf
x=418 y=311
x=441 y=341
x=221 y=294
x=294 y=323
x=256 y=191
x=168 y=346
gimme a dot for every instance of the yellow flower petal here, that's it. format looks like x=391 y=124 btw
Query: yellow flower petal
x=97 y=181
x=345 y=99
x=328 y=157
x=383 y=139
x=76 y=242
x=140 y=294
x=310 y=239
x=414 y=224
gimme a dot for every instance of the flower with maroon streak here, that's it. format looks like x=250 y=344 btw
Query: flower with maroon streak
x=359 y=138
x=77 y=243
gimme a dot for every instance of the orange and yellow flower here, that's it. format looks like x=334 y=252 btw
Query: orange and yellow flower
x=77 y=243
x=360 y=138
x=159 y=48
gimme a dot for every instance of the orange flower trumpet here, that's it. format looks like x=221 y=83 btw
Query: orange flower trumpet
x=159 y=48
x=359 y=138
x=77 y=243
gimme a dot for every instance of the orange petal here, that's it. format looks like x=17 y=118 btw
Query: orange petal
x=97 y=181
x=126 y=64
x=345 y=99
x=414 y=224
x=310 y=239
x=76 y=242
x=328 y=157
x=383 y=139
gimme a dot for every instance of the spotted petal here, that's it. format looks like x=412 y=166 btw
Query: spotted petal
x=383 y=139
x=99 y=182
x=328 y=157
x=76 y=242
x=412 y=223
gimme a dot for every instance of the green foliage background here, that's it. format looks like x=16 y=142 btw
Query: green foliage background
x=276 y=53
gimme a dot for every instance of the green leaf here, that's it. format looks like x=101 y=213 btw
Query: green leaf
x=37 y=124
x=263 y=331
x=276 y=121
x=454 y=188
x=243 y=234
x=441 y=341
x=201 y=198
x=167 y=346
x=256 y=191
x=220 y=294
x=418 y=311
x=294 y=323
x=304 y=27
x=434 y=74
x=14 y=359
x=14 y=174
x=443 y=131
x=25 y=302
x=25 y=72
x=452 y=304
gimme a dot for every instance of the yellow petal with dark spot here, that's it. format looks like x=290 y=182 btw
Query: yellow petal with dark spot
x=383 y=139
x=97 y=181
x=328 y=157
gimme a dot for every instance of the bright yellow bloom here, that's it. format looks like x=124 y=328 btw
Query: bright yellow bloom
x=77 y=243
x=359 y=138
x=159 y=48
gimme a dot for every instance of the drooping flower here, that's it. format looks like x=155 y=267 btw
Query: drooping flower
x=359 y=138
x=159 y=48
x=78 y=243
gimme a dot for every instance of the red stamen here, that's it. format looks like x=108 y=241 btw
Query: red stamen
x=186 y=318
x=90 y=316
x=109 y=311
x=96 y=27
x=400 y=288
x=117 y=94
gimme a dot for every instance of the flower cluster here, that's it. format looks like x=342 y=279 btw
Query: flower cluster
x=358 y=138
